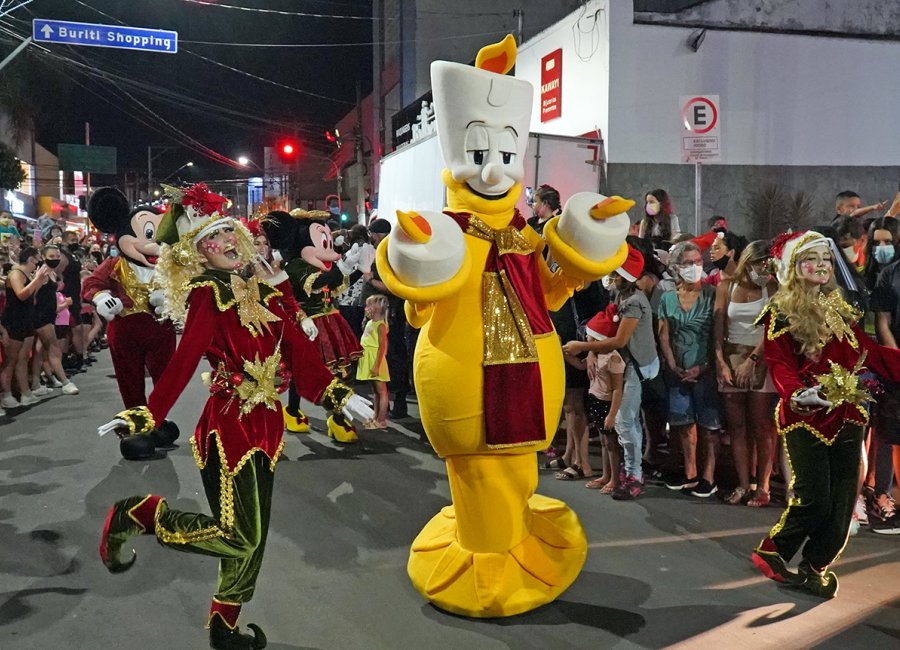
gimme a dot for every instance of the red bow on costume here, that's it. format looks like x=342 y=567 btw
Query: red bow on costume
x=204 y=201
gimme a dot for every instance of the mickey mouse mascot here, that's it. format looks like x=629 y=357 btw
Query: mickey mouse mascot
x=122 y=292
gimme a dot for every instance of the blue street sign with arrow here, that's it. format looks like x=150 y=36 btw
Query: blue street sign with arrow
x=93 y=35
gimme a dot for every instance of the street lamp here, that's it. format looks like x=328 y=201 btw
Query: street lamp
x=187 y=164
x=245 y=161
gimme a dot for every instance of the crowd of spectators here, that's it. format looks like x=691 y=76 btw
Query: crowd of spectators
x=47 y=334
x=693 y=407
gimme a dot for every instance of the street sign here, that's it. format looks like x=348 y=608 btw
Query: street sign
x=700 y=124
x=94 y=35
x=84 y=158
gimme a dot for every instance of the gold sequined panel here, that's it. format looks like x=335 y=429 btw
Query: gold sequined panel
x=251 y=310
x=508 y=240
x=137 y=291
x=258 y=386
x=507 y=335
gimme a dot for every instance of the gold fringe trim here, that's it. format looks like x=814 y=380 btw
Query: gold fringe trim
x=226 y=495
x=781 y=431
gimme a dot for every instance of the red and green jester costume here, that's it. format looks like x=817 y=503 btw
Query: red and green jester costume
x=254 y=348
x=823 y=443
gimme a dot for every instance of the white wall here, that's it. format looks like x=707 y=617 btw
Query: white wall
x=584 y=39
x=786 y=99
x=410 y=179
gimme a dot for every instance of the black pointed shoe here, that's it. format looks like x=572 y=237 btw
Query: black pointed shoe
x=127 y=518
x=222 y=637
x=823 y=584
x=165 y=434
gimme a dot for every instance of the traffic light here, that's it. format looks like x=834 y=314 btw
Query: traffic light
x=288 y=151
x=344 y=217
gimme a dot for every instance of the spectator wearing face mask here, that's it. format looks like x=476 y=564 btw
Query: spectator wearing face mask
x=748 y=393
x=724 y=252
x=850 y=234
x=660 y=223
x=685 y=338
x=882 y=248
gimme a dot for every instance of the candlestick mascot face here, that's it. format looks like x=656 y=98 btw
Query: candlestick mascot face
x=134 y=228
x=482 y=119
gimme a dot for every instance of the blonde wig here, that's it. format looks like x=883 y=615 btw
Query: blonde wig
x=805 y=312
x=179 y=264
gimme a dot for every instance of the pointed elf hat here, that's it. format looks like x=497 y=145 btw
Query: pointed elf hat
x=193 y=213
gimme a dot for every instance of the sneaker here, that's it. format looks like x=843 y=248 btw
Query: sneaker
x=53 y=382
x=860 y=510
x=886 y=522
x=28 y=400
x=680 y=483
x=630 y=489
x=704 y=489
x=9 y=402
x=854 y=524
x=41 y=391
x=69 y=388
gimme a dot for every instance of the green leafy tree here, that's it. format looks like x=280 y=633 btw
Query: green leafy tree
x=11 y=172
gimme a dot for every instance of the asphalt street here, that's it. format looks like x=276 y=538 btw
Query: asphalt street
x=661 y=571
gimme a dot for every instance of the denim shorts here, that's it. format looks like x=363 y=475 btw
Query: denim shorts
x=697 y=402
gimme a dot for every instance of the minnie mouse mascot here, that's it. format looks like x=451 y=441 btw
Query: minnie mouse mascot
x=317 y=275
x=121 y=289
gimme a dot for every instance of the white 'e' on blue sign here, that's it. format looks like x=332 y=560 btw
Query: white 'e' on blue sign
x=93 y=35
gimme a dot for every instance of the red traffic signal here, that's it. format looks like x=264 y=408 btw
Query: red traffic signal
x=287 y=151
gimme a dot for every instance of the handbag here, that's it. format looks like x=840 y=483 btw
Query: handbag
x=736 y=354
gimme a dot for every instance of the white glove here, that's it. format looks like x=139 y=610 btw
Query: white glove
x=108 y=305
x=308 y=325
x=350 y=261
x=112 y=425
x=157 y=299
x=358 y=408
x=811 y=399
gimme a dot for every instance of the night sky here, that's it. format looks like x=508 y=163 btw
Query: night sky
x=165 y=84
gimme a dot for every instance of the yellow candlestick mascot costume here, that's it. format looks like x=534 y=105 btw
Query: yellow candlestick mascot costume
x=488 y=364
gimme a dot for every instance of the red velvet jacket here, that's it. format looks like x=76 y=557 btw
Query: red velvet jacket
x=213 y=329
x=116 y=276
x=792 y=372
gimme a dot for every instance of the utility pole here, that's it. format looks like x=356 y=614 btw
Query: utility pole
x=87 y=176
x=15 y=52
x=519 y=14
x=360 y=177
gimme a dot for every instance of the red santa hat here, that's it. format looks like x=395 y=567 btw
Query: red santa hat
x=605 y=324
x=633 y=265
x=788 y=246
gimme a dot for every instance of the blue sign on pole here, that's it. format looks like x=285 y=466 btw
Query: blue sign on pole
x=129 y=38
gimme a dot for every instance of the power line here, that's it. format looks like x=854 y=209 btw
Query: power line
x=233 y=69
x=275 y=11
x=369 y=44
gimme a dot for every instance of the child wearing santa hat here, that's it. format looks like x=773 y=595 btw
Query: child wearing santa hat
x=606 y=371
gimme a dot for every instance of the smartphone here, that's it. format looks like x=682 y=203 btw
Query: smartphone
x=529 y=196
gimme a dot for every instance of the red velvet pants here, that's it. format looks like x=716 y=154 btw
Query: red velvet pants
x=138 y=342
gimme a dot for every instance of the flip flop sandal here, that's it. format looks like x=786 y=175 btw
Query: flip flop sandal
x=570 y=474
x=557 y=463
x=596 y=484
x=607 y=489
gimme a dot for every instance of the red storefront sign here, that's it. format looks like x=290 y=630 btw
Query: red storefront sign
x=551 y=86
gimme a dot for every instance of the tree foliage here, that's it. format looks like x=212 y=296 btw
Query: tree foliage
x=11 y=172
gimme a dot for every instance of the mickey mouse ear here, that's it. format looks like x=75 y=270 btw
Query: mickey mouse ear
x=280 y=229
x=108 y=209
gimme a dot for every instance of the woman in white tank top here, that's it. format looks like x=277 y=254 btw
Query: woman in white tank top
x=747 y=391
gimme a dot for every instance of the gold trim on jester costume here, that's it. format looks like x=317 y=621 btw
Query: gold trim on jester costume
x=476 y=284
